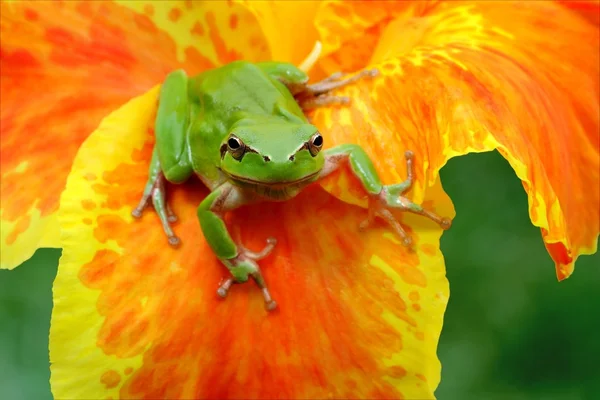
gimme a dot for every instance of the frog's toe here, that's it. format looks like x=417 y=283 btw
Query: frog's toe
x=445 y=223
x=174 y=240
x=139 y=209
x=224 y=288
x=155 y=194
x=270 y=304
x=243 y=267
x=252 y=255
x=322 y=101
x=171 y=217
x=372 y=73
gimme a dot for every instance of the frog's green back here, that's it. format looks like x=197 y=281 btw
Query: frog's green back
x=223 y=96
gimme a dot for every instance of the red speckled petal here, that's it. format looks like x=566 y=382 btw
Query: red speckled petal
x=65 y=65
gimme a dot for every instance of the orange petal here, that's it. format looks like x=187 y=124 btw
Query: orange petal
x=356 y=27
x=588 y=9
x=359 y=315
x=479 y=76
x=290 y=42
x=65 y=65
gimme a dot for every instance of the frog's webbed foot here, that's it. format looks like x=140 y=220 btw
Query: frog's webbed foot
x=155 y=190
x=318 y=94
x=390 y=198
x=243 y=266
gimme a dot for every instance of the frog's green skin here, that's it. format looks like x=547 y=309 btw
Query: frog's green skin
x=241 y=130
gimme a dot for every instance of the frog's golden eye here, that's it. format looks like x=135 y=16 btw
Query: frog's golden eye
x=236 y=147
x=315 y=144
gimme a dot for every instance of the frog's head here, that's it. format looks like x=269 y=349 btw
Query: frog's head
x=272 y=154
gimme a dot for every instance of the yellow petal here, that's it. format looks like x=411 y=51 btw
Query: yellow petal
x=359 y=315
x=217 y=31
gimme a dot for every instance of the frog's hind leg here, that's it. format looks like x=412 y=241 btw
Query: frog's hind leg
x=318 y=94
x=155 y=192
x=338 y=80
x=323 y=100
x=240 y=261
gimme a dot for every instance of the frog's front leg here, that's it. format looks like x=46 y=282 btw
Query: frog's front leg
x=240 y=261
x=155 y=192
x=382 y=198
x=170 y=161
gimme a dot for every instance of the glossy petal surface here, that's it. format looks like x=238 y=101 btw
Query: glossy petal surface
x=65 y=65
x=289 y=42
x=479 y=76
x=359 y=315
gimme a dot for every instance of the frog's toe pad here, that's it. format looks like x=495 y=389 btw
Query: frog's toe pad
x=271 y=305
x=224 y=288
x=446 y=223
x=174 y=241
x=363 y=226
x=222 y=292
x=137 y=213
x=372 y=72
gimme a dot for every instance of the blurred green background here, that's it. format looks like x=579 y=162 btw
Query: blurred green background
x=511 y=330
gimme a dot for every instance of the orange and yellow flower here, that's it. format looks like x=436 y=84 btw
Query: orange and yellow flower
x=359 y=315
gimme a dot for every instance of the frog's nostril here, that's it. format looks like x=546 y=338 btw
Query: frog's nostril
x=292 y=157
x=267 y=158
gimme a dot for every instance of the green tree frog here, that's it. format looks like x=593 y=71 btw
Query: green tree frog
x=242 y=130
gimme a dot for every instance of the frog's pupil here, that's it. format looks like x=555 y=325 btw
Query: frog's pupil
x=318 y=141
x=233 y=144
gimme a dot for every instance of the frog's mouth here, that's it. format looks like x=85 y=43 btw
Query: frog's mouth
x=274 y=184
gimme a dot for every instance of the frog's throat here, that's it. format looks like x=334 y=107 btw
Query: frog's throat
x=304 y=179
